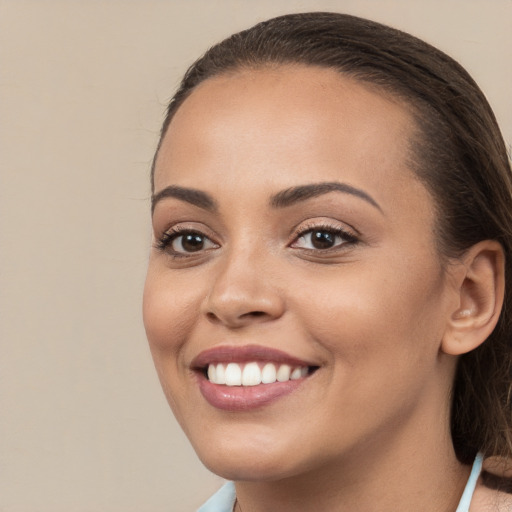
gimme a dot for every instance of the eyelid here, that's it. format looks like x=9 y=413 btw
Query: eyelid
x=349 y=234
x=185 y=226
x=324 y=224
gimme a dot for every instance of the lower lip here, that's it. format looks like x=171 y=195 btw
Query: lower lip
x=245 y=398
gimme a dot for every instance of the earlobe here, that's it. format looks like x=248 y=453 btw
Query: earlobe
x=480 y=288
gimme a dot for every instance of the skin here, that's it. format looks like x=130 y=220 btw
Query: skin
x=372 y=315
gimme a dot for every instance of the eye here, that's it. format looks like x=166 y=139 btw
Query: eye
x=191 y=242
x=182 y=242
x=323 y=238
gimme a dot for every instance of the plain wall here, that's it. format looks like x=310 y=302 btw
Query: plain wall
x=84 y=425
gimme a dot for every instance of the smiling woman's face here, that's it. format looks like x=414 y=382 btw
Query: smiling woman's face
x=291 y=237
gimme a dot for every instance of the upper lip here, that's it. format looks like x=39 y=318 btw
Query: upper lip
x=244 y=354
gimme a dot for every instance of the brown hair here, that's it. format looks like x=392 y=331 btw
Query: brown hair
x=458 y=153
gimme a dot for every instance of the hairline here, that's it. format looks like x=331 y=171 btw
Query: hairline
x=409 y=102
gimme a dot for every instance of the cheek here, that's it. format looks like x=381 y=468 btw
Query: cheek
x=375 y=310
x=380 y=331
x=169 y=312
x=168 y=316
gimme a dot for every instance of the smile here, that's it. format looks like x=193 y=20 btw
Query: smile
x=253 y=373
x=244 y=378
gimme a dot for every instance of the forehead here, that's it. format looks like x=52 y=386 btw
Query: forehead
x=300 y=120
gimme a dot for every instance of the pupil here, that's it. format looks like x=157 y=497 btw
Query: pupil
x=322 y=240
x=192 y=242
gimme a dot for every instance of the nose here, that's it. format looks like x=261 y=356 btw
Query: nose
x=243 y=292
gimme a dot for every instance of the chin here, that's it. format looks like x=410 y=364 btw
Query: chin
x=246 y=459
x=248 y=470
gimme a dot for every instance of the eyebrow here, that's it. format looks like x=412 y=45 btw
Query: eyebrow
x=294 y=195
x=189 y=195
x=283 y=199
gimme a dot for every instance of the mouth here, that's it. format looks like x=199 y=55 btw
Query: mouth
x=255 y=373
x=243 y=378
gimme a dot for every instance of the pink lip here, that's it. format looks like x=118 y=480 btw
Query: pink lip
x=226 y=354
x=240 y=398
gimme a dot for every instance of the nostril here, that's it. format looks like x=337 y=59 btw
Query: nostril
x=234 y=313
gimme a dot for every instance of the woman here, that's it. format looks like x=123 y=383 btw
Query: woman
x=325 y=301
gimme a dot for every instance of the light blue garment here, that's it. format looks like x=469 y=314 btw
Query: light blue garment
x=224 y=499
x=467 y=495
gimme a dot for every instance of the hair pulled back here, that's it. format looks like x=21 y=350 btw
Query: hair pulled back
x=458 y=153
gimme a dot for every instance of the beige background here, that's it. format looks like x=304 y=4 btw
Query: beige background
x=83 y=422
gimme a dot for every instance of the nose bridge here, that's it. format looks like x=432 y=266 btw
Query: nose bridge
x=242 y=289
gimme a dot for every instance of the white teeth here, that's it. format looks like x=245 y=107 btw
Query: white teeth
x=212 y=373
x=233 y=375
x=296 y=374
x=283 y=374
x=220 y=374
x=269 y=374
x=251 y=374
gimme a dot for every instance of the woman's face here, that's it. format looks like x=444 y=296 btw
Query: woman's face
x=293 y=242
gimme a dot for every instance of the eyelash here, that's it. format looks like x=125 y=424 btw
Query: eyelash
x=165 y=242
x=350 y=238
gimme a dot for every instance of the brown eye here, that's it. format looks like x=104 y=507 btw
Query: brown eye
x=191 y=242
x=188 y=243
x=322 y=239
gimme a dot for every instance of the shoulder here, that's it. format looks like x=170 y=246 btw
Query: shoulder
x=494 y=490
x=490 y=500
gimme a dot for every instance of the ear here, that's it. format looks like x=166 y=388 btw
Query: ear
x=480 y=285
